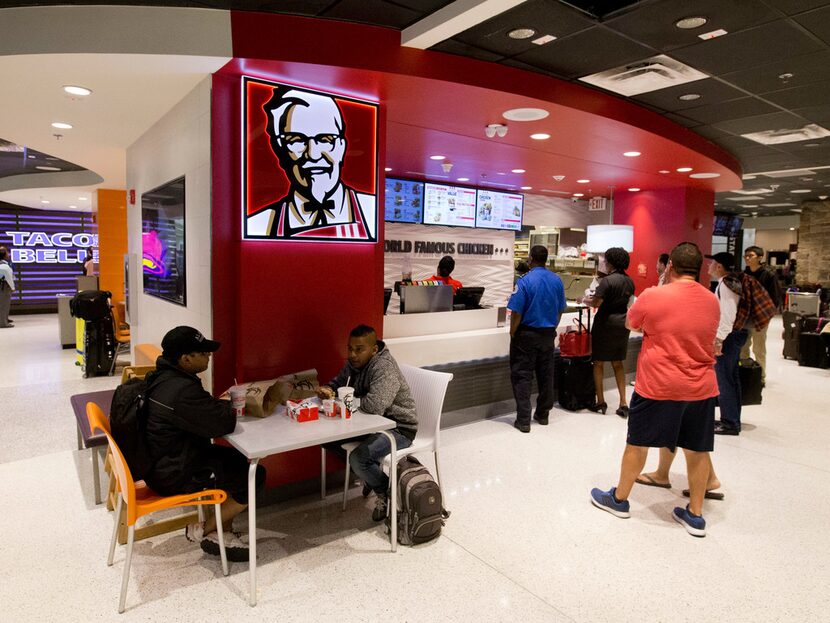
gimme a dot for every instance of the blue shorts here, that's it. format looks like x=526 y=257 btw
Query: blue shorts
x=688 y=424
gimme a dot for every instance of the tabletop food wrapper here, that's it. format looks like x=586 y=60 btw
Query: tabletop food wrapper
x=262 y=397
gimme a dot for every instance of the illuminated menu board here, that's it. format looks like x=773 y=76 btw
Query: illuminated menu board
x=449 y=205
x=499 y=210
x=404 y=201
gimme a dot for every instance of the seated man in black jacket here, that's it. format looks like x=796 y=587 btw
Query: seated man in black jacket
x=182 y=418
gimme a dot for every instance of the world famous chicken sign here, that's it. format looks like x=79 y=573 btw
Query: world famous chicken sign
x=310 y=165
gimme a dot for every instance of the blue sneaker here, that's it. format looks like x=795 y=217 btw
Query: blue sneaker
x=694 y=524
x=607 y=502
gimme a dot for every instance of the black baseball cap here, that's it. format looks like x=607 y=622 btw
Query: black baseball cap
x=727 y=260
x=183 y=340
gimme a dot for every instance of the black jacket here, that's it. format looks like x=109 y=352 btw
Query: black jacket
x=182 y=418
x=770 y=282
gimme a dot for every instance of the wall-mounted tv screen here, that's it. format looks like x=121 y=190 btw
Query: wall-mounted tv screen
x=735 y=225
x=495 y=210
x=449 y=205
x=721 y=225
x=163 y=242
x=404 y=201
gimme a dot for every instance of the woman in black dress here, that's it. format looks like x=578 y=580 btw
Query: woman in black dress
x=609 y=337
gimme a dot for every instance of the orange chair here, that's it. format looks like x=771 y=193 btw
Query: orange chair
x=143 y=501
x=122 y=335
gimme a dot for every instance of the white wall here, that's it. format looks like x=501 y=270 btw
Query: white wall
x=178 y=144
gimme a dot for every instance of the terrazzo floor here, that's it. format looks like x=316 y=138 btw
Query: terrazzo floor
x=523 y=543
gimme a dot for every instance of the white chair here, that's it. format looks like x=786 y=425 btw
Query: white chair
x=428 y=389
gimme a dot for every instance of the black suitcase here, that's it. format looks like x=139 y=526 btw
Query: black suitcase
x=792 y=330
x=812 y=351
x=749 y=372
x=99 y=346
x=574 y=380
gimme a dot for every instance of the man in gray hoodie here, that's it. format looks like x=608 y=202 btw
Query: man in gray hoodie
x=379 y=384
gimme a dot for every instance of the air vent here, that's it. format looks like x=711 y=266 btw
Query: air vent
x=652 y=74
x=777 y=137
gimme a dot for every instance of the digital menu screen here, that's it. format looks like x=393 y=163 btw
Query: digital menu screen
x=404 y=201
x=496 y=210
x=449 y=205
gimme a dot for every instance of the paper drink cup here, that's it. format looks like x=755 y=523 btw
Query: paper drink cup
x=238 y=400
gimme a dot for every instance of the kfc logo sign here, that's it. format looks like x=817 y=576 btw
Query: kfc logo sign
x=310 y=165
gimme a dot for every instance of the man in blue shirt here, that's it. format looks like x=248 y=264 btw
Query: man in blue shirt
x=536 y=306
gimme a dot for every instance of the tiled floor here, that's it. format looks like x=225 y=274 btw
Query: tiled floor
x=523 y=542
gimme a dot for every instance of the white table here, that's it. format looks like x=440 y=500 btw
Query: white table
x=257 y=438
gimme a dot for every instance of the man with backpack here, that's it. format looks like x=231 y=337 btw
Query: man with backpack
x=181 y=420
x=757 y=338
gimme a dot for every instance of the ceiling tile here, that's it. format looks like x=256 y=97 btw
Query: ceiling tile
x=653 y=23
x=791 y=7
x=546 y=17
x=424 y=6
x=684 y=121
x=805 y=69
x=761 y=123
x=297 y=7
x=808 y=95
x=817 y=22
x=733 y=109
x=373 y=12
x=816 y=114
x=451 y=46
x=748 y=48
x=587 y=52
x=710 y=90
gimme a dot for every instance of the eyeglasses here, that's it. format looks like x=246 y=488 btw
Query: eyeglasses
x=298 y=143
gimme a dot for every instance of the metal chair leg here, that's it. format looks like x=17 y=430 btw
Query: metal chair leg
x=220 y=533
x=126 y=577
x=118 y=508
x=438 y=479
x=200 y=511
x=322 y=473
x=346 y=479
x=96 y=457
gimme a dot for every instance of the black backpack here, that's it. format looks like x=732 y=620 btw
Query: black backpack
x=421 y=513
x=90 y=304
x=128 y=422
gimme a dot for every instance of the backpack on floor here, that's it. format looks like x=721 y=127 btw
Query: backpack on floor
x=421 y=513
x=128 y=422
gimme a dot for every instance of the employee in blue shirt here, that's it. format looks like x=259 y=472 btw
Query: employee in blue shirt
x=536 y=306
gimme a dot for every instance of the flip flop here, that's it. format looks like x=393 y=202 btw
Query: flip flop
x=645 y=479
x=711 y=495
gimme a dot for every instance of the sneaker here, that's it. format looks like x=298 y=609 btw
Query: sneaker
x=235 y=548
x=381 y=507
x=694 y=524
x=195 y=532
x=607 y=502
x=542 y=420
x=525 y=428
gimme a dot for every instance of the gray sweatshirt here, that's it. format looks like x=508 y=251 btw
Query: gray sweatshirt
x=381 y=389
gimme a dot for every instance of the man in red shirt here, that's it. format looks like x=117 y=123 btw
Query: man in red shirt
x=674 y=397
x=445 y=268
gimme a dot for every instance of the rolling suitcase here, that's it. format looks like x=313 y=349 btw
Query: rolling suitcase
x=812 y=351
x=99 y=346
x=749 y=372
x=574 y=380
x=792 y=331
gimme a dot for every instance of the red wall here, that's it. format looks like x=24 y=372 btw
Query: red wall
x=662 y=219
x=280 y=307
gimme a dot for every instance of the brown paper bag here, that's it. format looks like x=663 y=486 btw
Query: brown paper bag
x=262 y=397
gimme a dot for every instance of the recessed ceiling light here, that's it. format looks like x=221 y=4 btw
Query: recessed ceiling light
x=60 y=125
x=704 y=176
x=437 y=157
x=76 y=90
x=387 y=169
x=720 y=32
x=45 y=201
x=544 y=39
x=688 y=23
x=525 y=114
x=811 y=145
x=583 y=181
x=748 y=177
x=463 y=179
x=633 y=190
x=83 y=199
x=540 y=136
x=31 y=156
x=631 y=154
x=521 y=33
x=684 y=169
x=579 y=195
x=73 y=207
x=517 y=170
x=527 y=187
x=689 y=97
x=45 y=168
x=800 y=191
x=664 y=171
x=792 y=228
